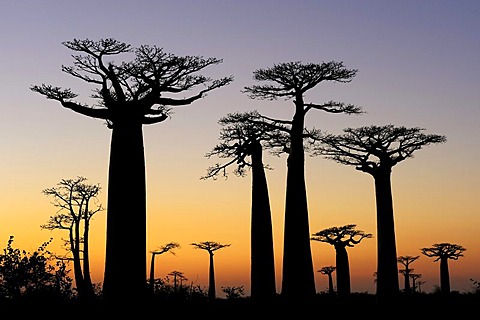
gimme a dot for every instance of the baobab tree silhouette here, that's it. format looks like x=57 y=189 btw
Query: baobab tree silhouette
x=443 y=252
x=130 y=95
x=406 y=261
x=341 y=238
x=210 y=247
x=328 y=270
x=376 y=150
x=169 y=247
x=241 y=141
x=291 y=81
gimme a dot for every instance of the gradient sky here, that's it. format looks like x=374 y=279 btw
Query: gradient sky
x=418 y=64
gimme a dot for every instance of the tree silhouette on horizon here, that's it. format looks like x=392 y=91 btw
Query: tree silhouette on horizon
x=210 y=247
x=241 y=137
x=341 y=238
x=130 y=95
x=376 y=150
x=406 y=261
x=328 y=270
x=291 y=81
x=443 y=252
x=73 y=199
x=169 y=247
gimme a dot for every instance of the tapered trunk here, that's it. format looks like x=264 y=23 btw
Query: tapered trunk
x=212 y=295
x=407 y=281
x=151 y=282
x=77 y=264
x=263 y=285
x=444 y=276
x=331 y=290
x=87 y=279
x=343 y=272
x=387 y=269
x=298 y=282
x=125 y=259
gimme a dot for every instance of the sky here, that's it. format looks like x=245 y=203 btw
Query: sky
x=418 y=64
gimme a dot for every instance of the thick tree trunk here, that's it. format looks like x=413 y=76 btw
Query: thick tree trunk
x=212 y=295
x=343 y=272
x=444 y=276
x=263 y=285
x=387 y=269
x=125 y=259
x=298 y=282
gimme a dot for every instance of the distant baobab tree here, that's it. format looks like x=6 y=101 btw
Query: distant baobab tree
x=341 y=238
x=406 y=261
x=169 y=247
x=376 y=150
x=210 y=247
x=328 y=270
x=415 y=283
x=291 y=81
x=77 y=203
x=177 y=277
x=443 y=252
x=130 y=95
x=242 y=139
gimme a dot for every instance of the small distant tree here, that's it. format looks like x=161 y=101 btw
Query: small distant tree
x=210 y=247
x=406 y=261
x=77 y=203
x=443 y=252
x=169 y=247
x=341 y=238
x=177 y=275
x=415 y=283
x=34 y=275
x=375 y=150
x=328 y=270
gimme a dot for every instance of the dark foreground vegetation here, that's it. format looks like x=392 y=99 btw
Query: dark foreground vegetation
x=359 y=305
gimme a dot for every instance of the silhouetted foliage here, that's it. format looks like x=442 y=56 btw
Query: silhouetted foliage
x=376 y=150
x=129 y=95
x=341 y=238
x=77 y=203
x=234 y=292
x=210 y=247
x=291 y=81
x=33 y=276
x=444 y=252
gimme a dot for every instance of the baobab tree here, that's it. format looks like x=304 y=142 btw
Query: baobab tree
x=376 y=150
x=341 y=238
x=210 y=247
x=406 y=261
x=242 y=140
x=416 y=283
x=129 y=95
x=177 y=277
x=169 y=247
x=77 y=202
x=291 y=81
x=443 y=252
x=328 y=270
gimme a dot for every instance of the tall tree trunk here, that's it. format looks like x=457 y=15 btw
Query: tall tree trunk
x=151 y=282
x=343 y=272
x=387 y=269
x=125 y=259
x=444 y=276
x=263 y=285
x=77 y=264
x=298 y=282
x=87 y=279
x=212 y=295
